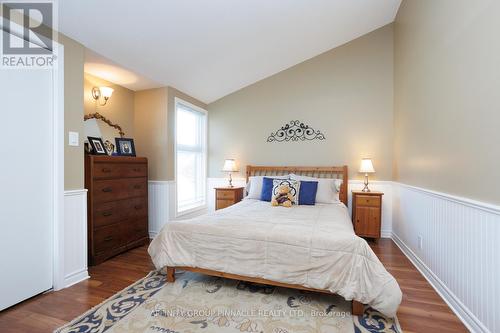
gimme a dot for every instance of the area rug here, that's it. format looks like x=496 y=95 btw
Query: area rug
x=198 y=303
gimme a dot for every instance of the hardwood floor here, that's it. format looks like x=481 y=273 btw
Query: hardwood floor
x=422 y=310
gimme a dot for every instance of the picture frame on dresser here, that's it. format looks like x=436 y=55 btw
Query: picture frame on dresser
x=97 y=146
x=125 y=146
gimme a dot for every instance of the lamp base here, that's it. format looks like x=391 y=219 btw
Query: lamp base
x=230 y=181
x=366 y=189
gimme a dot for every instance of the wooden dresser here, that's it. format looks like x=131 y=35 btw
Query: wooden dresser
x=117 y=205
x=227 y=196
x=367 y=213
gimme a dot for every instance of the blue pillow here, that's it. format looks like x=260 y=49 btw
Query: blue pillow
x=267 y=188
x=307 y=192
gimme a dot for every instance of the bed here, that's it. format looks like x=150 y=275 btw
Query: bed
x=304 y=247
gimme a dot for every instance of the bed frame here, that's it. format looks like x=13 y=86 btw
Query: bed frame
x=318 y=172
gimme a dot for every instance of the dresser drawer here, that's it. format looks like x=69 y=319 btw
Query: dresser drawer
x=230 y=195
x=118 y=189
x=119 y=170
x=109 y=238
x=136 y=229
x=107 y=213
x=365 y=200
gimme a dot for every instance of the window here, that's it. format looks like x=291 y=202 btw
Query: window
x=190 y=156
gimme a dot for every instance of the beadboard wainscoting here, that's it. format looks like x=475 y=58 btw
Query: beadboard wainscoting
x=75 y=238
x=453 y=242
x=161 y=198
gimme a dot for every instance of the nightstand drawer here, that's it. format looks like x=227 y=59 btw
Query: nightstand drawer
x=365 y=200
x=221 y=203
x=229 y=195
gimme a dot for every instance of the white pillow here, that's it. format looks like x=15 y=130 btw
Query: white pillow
x=328 y=188
x=254 y=185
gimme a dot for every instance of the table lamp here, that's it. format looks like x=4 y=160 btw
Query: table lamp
x=230 y=166
x=366 y=168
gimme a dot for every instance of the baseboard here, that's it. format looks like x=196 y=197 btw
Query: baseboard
x=386 y=233
x=462 y=312
x=75 y=278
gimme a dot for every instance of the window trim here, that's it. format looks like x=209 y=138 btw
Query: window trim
x=178 y=101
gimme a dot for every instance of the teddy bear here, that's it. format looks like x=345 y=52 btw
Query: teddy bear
x=283 y=197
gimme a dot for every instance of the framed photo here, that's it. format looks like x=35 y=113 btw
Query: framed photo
x=125 y=146
x=97 y=146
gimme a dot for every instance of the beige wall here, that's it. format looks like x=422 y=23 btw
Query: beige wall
x=154 y=126
x=150 y=124
x=447 y=97
x=120 y=107
x=73 y=112
x=347 y=93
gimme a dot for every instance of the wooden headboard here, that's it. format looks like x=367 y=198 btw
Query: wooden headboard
x=337 y=172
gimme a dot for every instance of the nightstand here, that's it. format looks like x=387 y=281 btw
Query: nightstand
x=227 y=196
x=367 y=213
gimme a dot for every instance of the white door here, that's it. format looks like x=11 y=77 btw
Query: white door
x=26 y=183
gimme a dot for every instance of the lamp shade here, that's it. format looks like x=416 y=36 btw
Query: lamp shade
x=230 y=166
x=106 y=92
x=366 y=166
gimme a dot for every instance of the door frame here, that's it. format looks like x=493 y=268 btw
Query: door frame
x=58 y=169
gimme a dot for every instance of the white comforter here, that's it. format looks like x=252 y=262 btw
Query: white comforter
x=314 y=246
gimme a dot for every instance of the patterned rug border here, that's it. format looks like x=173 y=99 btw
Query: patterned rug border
x=118 y=294
x=114 y=296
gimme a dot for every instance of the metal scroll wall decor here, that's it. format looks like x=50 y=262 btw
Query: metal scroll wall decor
x=295 y=130
x=107 y=121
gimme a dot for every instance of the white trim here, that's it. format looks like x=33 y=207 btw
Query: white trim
x=58 y=170
x=75 y=192
x=490 y=208
x=462 y=312
x=178 y=100
x=161 y=182
x=75 y=278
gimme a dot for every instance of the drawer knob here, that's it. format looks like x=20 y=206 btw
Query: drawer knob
x=107 y=214
x=137 y=187
x=137 y=169
x=107 y=189
x=106 y=170
x=109 y=238
x=138 y=207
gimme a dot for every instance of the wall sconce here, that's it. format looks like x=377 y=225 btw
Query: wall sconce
x=102 y=93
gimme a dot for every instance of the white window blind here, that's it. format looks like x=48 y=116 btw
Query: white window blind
x=191 y=159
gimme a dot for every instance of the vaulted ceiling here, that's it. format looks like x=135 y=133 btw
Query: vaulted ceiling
x=211 y=48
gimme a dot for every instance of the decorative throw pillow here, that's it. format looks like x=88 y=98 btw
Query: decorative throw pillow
x=307 y=192
x=267 y=188
x=285 y=192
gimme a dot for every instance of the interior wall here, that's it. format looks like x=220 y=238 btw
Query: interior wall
x=150 y=123
x=120 y=107
x=447 y=81
x=346 y=93
x=74 y=54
